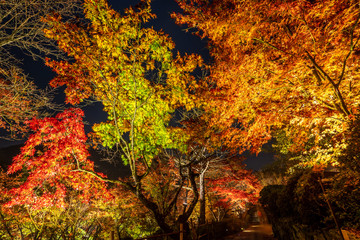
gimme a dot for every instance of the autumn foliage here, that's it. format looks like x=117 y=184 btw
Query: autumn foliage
x=132 y=71
x=234 y=186
x=50 y=160
x=284 y=69
x=20 y=100
x=278 y=64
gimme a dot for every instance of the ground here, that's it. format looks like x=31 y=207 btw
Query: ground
x=255 y=231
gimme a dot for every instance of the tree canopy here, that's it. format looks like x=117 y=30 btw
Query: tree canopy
x=278 y=64
x=50 y=158
x=132 y=70
x=282 y=70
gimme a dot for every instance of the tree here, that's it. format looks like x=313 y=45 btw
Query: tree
x=22 y=27
x=219 y=174
x=20 y=100
x=74 y=221
x=6 y=182
x=21 y=30
x=131 y=70
x=127 y=216
x=233 y=185
x=171 y=184
x=214 y=163
x=194 y=163
x=46 y=195
x=350 y=156
x=50 y=158
x=278 y=64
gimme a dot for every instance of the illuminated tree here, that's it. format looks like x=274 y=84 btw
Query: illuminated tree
x=126 y=215
x=350 y=156
x=234 y=184
x=6 y=182
x=172 y=187
x=50 y=158
x=220 y=171
x=43 y=193
x=278 y=64
x=224 y=179
x=219 y=174
x=131 y=70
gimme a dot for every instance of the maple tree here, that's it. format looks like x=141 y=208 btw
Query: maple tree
x=220 y=171
x=51 y=195
x=6 y=182
x=75 y=221
x=123 y=214
x=50 y=157
x=194 y=163
x=126 y=215
x=220 y=175
x=349 y=157
x=224 y=185
x=133 y=72
x=172 y=186
x=278 y=64
x=234 y=185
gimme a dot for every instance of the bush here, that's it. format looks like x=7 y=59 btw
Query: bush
x=269 y=197
x=344 y=195
x=300 y=200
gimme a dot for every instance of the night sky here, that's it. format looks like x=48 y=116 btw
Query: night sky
x=185 y=42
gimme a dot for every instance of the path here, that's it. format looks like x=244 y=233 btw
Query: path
x=254 y=232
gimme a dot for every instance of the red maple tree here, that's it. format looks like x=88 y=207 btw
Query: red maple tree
x=51 y=158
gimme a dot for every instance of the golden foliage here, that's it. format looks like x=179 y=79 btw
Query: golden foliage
x=276 y=64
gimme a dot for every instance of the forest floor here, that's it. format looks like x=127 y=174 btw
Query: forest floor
x=255 y=231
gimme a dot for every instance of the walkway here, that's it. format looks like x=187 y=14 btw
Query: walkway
x=254 y=232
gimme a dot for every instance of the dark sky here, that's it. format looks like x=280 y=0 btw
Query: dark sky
x=185 y=42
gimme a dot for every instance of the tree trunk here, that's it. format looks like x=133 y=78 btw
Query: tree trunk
x=202 y=198
x=153 y=207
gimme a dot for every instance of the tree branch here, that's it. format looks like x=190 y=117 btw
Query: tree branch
x=344 y=109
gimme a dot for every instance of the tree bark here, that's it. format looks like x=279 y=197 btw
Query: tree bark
x=202 y=199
